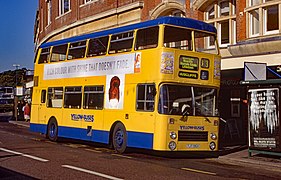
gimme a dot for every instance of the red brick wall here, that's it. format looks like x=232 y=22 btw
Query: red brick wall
x=240 y=20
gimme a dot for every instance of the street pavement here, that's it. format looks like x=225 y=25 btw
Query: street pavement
x=233 y=155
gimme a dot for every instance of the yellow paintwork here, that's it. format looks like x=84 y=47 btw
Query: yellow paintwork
x=137 y=121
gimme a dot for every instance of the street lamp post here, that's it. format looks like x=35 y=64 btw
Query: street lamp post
x=15 y=96
x=17 y=67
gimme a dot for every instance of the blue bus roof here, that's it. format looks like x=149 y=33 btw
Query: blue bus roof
x=177 y=21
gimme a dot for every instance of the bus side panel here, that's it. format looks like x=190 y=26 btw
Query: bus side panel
x=41 y=128
x=83 y=134
x=140 y=140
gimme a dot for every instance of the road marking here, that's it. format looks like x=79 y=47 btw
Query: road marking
x=25 y=155
x=91 y=172
x=76 y=145
x=199 y=171
x=119 y=155
x=19 y=124
x=92 y=150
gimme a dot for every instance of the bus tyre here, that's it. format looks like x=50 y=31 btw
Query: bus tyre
x=119 y=138
x=52 y=133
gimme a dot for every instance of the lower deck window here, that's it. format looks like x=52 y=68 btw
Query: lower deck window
x=73 y=97
x=55 y=95
x=145 y=97
x=93 y=97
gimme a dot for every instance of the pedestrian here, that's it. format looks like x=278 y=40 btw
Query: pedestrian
x=26 y=112
x=21 y=104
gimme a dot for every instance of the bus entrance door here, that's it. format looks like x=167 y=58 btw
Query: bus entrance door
x=42 y=107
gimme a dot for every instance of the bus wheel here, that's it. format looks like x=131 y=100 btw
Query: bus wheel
x=119 y=138
x=52 y=133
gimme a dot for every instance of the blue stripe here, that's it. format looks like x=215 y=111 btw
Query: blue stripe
x=177 y=21
x=41 y=128
x=140 y=140
x=135 y=139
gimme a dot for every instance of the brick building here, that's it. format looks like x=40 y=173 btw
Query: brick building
x=248 y=31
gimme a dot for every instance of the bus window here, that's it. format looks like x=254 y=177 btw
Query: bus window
x=205 y=101
x=73 y=97
x=59 y=53
x=147 y=38
x=93 y=97
x=55 y=97
x=205 y=40
x=98 y=46
x=44 y=56
x=43 y=96
x=175 y=100
x=145 y=97
x=77 y=50
x=178 y=38
x=122 y=42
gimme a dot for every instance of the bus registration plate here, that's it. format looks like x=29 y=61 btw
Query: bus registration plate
x=189 y=146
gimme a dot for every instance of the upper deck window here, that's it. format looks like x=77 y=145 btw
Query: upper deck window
x=147 y=38
x=44 y=56
x=98 y=46
x=59 y=53
x=178 y=38
x=201 y=41
x=122 y=42
x=77 y=50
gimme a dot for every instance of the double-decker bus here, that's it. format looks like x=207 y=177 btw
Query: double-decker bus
x=6 y=99
x=151 y=85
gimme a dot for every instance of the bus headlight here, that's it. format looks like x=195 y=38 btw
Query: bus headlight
x=212 y=146
x=213 y=136
x=172 y=145
x=173 y=135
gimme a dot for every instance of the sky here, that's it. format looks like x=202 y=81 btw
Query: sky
x=17 y=19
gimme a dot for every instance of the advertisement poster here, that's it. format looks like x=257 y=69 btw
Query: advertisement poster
x=217 y=68
x=264 y=118
x=137 y=64
x=110 y=65
x=114 y=94
x=167 y=63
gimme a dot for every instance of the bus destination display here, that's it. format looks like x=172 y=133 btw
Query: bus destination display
x=189 y=63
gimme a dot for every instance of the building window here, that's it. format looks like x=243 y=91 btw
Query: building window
x=263 y=17
x=254 y=2
x=224 y=32
x=224 y=8
x=210 y=13
x=271 y=20
x=222 y=15
x=64 y=6
x=49 y=11
x=254 y=23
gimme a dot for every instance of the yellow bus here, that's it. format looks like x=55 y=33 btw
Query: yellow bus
x=151 y=85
